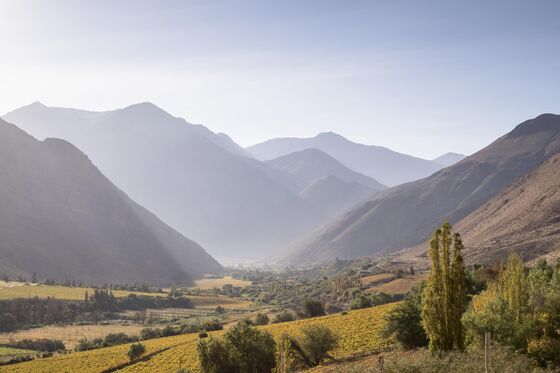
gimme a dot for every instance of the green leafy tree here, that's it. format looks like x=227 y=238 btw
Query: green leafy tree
x=313 y=308
x=404 y=323
x=443 y=298
x=136 y=350
x=243 y=348
x=313 y=347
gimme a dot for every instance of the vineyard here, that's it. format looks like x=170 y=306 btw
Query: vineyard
x=359 y=332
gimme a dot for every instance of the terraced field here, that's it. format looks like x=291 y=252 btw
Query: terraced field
x=359 y=331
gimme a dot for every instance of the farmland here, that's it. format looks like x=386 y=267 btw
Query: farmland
x=398 y=285
x=70 y=334
x=21 y=290
x=358 y=330
x=210 y=283
x=7 y=353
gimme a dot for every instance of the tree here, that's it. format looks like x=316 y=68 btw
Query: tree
x=261 y=319
x=243 y=348
x=443 y=298
x=136 y=350
x=314 y=345
x=404 y=323
x=313 y=308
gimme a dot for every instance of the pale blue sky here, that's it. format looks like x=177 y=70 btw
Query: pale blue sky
x=421 y=77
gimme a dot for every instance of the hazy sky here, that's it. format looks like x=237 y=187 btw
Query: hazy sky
x=421 y=77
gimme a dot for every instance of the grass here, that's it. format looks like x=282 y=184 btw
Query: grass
x=422 y=361
x=21 y=290
x=210 y=283
x=398 y=285
x=359 y=332
x=8 y=352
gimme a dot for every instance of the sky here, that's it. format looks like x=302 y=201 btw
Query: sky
x=419 y=77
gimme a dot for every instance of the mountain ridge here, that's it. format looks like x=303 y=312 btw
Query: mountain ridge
x=62 y=218
x=404 y=216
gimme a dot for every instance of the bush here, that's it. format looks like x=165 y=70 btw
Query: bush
x=261 y=319
x=314 y=345
x=243 y=348
x=43 y=345
x=118 y=339
x=202 y=335
x=545 y=350
x=283 y=316
x=150 y=333
x=503 y=360
x=211 y=326
x=313 y=308
x=404 y=323
x=85 y=344
x=136 y=350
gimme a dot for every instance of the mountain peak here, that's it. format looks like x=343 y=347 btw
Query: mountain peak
x=541 y=123
x=329 y=135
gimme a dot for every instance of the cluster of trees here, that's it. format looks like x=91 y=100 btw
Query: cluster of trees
x=42 y=345
x=19 y=313
x=245 y=348
x=518 y=306
x=521 y=309
x=101 y=304
x=111 y=339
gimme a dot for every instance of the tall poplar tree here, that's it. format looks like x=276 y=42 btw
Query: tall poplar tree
x=443 y=299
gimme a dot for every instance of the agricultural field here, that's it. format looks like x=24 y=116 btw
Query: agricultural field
x=7 y=353
x=22 y=290
x=359 y=333
x=398 y=285
x=210 y=283
x=70 y=334
x=202 y=301
x=376 y=279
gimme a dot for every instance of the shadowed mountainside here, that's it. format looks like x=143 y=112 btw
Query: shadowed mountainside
x=60 y=217
x=191 y=178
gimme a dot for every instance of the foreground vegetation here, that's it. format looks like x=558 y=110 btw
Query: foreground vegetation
x=359 y=332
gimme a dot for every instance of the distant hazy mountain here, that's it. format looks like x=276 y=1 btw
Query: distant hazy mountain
x=449 y=159
x=403 y=216
x=525 y=218
x=60 y=217
x=382 y=164
x=334 y=195
x=310 y=165
x=191 y=178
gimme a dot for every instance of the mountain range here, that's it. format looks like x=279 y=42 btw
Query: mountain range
x=384 y=165
x=198 y=182
x=404 y=216
x=62 y=218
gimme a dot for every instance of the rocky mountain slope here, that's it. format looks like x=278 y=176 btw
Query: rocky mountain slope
x=404 y=216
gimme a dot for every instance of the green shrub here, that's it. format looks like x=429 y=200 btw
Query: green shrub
x=243 y=348
x=136 y=350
